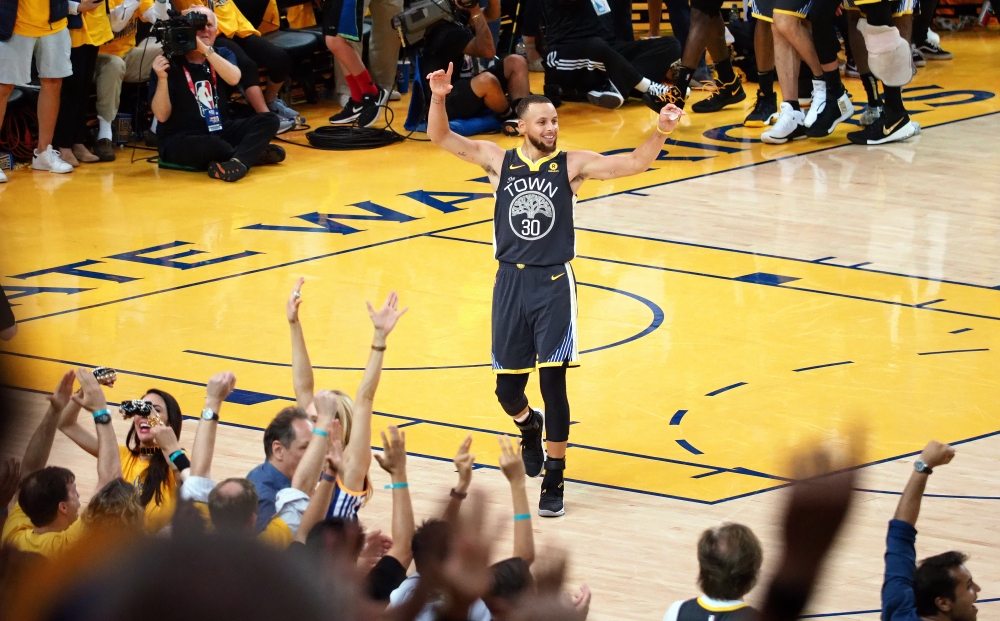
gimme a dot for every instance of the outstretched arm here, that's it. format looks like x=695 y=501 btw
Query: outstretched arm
x=319 y=501
x=308 y=470
x=464 y=460
x=393 y=461
x=934 y=454
x=36 y=455
x=486 y=155
x=513 y=468
x=220 y=386
x=588 y=165
x=358 y=452
x=91 y=398
x=302 y=372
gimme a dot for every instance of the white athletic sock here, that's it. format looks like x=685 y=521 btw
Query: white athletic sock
x=643 y=86
x=521 y=419
x=105 y=128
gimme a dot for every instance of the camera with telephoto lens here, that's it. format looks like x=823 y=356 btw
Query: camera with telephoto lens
x=178 y=34
x=412 y=23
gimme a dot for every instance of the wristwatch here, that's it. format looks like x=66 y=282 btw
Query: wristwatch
x=102 y=417
x=209 y=414
x=209 y=51
x=921 y=466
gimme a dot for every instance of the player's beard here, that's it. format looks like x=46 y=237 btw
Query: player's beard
x=541 y=146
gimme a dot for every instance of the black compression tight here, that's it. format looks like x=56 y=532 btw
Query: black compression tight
x=552 y=381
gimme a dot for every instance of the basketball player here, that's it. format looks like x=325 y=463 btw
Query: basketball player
x=534 y=294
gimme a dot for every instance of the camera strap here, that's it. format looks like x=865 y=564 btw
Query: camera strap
x=209 y=107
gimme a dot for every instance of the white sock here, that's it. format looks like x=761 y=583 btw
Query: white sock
x=643 y=86
x=524 y=417
x=105 y=128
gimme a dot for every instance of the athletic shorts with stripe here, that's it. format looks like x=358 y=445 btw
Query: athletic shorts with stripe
x=765 y=9
x=899 y=7
x=534 y=318
x=344 y=18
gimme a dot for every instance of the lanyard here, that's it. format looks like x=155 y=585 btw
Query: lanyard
x=215 y=88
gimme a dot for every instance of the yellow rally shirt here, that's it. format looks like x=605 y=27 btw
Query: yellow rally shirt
x=19 y=532
x=134 y=470
x=124 y=40
x=33 y=19
x=96 y=28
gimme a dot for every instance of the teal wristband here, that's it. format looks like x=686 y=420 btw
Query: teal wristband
x=175 y=454
x=397 y=486
x=522 y=516
x=320 y=432
x=99 y=413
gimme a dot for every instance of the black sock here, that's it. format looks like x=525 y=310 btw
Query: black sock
x=766 y=81
x=794 y=104
x=894 y=99
x=683 y=78
x=725 y=71
x=871 y=89
x=553 y=476
x=834 y=87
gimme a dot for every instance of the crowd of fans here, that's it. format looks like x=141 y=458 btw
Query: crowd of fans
x=586 y=48
x=161 y=539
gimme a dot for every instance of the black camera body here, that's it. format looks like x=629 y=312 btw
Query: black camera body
x=412 y=23
x=178 y=34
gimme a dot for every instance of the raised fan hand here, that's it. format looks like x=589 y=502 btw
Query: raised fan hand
x=440 y=81
x=386 y=317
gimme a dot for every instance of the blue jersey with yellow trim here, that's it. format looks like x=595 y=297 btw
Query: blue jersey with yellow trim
x=533 y=217
x=707 y=609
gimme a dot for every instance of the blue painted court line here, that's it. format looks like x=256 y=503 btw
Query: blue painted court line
x=859 y=265
x=823 y=259
x=923 y=304
x=678 y=415
x=725 y=388
x=960 y=330
x=952 y=351
x=823 y=366
x=891 y=493
x=687 y=447
x=870 y=612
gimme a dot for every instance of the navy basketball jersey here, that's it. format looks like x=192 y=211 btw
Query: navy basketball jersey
x=533 y=217
x=707 y=609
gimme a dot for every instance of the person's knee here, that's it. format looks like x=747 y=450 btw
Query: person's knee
x=337 y=44
x=515 y=64
x=6 y=90
x=786 y=24
x=510 y=393
x=270 y=121
x=486 y=84
x=109 y=65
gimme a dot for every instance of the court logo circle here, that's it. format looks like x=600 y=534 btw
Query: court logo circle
x=529 y=212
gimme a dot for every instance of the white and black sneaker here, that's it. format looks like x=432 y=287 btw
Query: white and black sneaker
x=890 y=127
x=551 y=502
x=933 y=51
x=352 y=110
x=918 y=57
x=834 y=113
x=532 y=452
x=789 y=126
x=372 y=107
x=818 y=102
x=608 y=97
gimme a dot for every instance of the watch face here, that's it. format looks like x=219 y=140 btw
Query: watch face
x=208 y=414
x=103 y=419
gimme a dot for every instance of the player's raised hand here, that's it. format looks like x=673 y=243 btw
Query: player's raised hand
x=294 y=301
x=440 y=81
x=670 y=116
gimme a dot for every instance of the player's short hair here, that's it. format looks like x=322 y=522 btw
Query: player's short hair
x=729 y=560
x=41 y=493
x=933 y=579
x=527 y=102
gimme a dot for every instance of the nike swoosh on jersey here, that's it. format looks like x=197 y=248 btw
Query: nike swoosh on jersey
x=888 y=130
x=512 y=167
x=556 y=277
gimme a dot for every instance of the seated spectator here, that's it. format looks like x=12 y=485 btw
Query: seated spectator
x=121 y=60
x=196 y=129
x=116 y=505
x=285 y=442
x=39 y=33
x=729 y=560
x=89 y=28
x=940 y=587
x=145 y=457
x=584 y=57
x=240 y=36
x=448 y=42
x=45 y=518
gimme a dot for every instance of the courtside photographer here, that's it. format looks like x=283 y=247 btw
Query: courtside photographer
x=189 y=90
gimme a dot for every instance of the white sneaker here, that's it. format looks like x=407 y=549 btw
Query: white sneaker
x=790 y=126
x=50 y=160
x=3 y=177
x=285 y=124
x=394 y=95
x=610 y=98
x=281 y=109
x=818 y=102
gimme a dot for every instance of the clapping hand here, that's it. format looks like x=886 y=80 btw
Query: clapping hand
x=64 y=392
x=440 y=81
x=90 y=396
x=464 y=461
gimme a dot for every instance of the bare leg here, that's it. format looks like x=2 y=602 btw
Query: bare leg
x=655 y=12
x=793 y=30
x=716 y=42
x=486 y=86
x=48 y=110
x=272 y=90
x=857 y=42
x=763 y=46
x=905 y=25
x=515 y=69
x=556 y=450
x=343 y=52
x=701 y=30
x=787 y=60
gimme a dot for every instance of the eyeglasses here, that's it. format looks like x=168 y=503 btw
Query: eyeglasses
x=136 y=407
